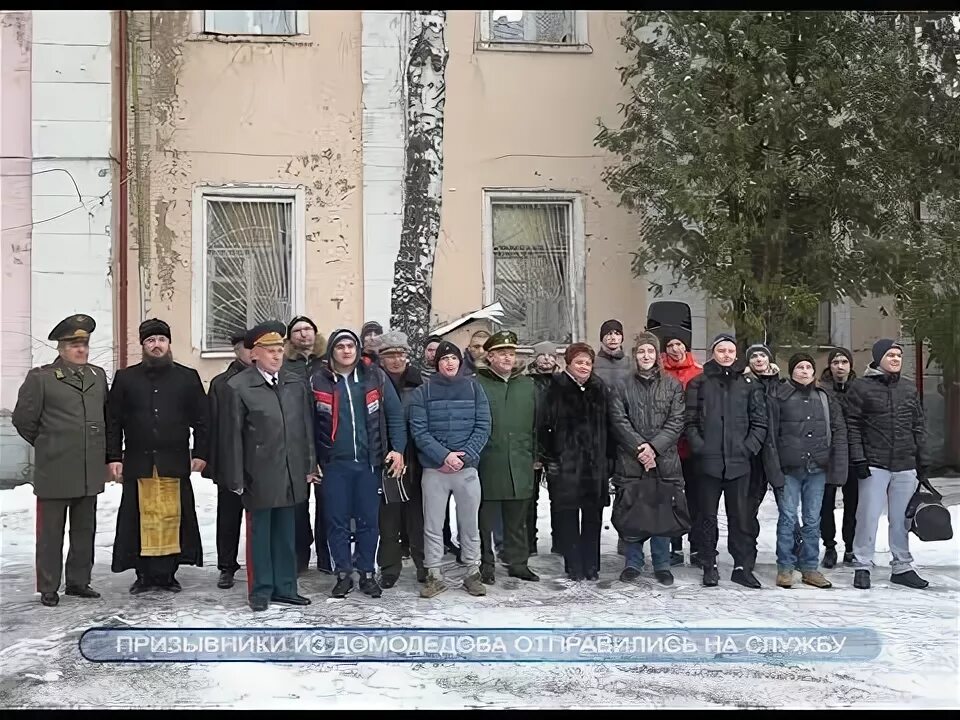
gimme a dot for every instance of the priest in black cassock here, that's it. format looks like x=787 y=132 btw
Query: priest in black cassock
x=151 y=409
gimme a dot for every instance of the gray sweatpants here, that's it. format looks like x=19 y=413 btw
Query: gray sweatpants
x=884 y=490
x=436 y=488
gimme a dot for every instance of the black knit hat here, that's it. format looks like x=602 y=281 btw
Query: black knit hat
x=447 y=348
x=154 y=326
x=300 y=318
x=833 y=354
x=798 y=358
x=881 y=348
x=722 y=337
x=610 y=326
x=238 y=337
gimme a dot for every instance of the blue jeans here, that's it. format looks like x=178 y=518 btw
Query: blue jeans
x=659 y=549
x=803 y=490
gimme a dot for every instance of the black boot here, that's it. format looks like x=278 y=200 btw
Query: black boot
x=487 y=575
x=387 y=581
x=296 y=599
x=711 y=576
x=829 y=558
x=343 y=586
x=664 y=577
x=51 y=599
x=909 y=579
x=370 y=586
x=139 y=586
x=226 y=579
x=258 y=604
x=172 y=584
x=524 y=574
x=629 y=574
x=861 y=579
x=84 y=592
x=745 y=578
x=848 y=558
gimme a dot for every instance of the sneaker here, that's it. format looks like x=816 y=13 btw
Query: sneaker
x=343 y=586
x=815 y=578
x=829 y=558
x=785 y=578
x=861 y=579
x=433 y=587
x=909 y=579
x=848 y=558
x=676 y=558
x=524 y=574
x=711 y=576
x=474 y=585
x=664 y=577
x=745 y=578
x=370 y=586
x=50 y=599
x=487 y=575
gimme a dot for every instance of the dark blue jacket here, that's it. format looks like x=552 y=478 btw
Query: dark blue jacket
x=353 y=431
x=449 y=415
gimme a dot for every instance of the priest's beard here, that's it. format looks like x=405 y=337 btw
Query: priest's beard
x=163 y=361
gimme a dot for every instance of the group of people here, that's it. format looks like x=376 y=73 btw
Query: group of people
x=386 y=441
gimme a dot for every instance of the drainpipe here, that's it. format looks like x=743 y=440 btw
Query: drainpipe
x=122 y=295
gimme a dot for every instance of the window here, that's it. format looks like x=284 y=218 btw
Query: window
x=535 y=264
x=250 y=258
x=251 y=22
x=547 y=27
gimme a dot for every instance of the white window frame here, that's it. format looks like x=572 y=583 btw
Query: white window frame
x=202 y=194
x=581 y=24
x=576 y=250
x=200 y=28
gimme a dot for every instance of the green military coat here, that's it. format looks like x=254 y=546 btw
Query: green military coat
x=506 y=463
x=63 y=417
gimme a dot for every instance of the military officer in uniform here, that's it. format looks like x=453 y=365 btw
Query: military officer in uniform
x=60 y=411
x=266 y=455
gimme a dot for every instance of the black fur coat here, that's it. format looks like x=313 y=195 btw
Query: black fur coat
x=573 y=436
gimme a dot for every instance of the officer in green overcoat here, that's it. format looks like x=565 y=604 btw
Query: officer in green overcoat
x=507 y=462
x=60 y=411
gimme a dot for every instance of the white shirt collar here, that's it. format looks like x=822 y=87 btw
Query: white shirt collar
x=267 y=376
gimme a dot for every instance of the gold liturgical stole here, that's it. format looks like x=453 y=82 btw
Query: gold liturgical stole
x=159 y=515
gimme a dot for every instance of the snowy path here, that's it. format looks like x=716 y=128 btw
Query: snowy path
x=40 y=665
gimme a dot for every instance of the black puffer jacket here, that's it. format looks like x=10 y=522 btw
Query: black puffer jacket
x=802 y=433
x=573 y=440
x=726 y=420
x=647 y=410
x=885 y=422
x=838 y=391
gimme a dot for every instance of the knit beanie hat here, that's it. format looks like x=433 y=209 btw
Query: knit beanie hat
x=798 y=358
x=447 y=348
x=545 y=348
x=575 y=349
x=646 y=338
x=832 y=355
x=759 y=347
x=881 y=348
x=610 y=326
x=298 y=319
x=722 y=337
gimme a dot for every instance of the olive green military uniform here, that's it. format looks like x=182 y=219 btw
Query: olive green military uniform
x=60 y=412
x=506 y=463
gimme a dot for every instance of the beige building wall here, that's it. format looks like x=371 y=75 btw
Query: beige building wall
x=526 y=121
x=213 y=110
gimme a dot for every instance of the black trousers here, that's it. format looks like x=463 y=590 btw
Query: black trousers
x=158 y=570
x=229 y=517
x=516 y=551
x=395 y=518
x=741 y=541
x=315 y=535
x=579 y=535
x=51 y=523
x=828 y=525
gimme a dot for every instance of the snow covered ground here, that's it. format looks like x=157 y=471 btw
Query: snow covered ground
x=40 y=666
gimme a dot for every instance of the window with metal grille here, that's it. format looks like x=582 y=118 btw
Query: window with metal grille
x=250 y=22
x=248 y=258
x=531 y=246
x=557 y=27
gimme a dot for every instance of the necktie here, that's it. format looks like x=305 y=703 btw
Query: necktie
x=274 y=381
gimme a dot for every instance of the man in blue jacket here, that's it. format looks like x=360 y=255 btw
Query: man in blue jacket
x=450 y=423
x=359 y=427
